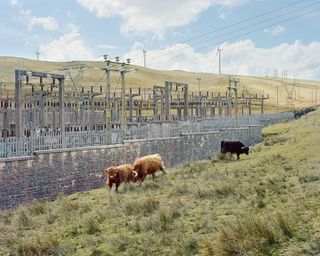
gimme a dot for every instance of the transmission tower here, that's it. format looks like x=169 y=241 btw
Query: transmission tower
x=74 y=73
x=289 y=89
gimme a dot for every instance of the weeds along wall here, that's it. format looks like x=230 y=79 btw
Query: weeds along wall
x=46 y=174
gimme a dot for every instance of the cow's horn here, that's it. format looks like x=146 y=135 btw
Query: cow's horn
x=135 y=174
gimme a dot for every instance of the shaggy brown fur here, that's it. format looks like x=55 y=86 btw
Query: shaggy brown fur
x=147 y=165
x=119 y=174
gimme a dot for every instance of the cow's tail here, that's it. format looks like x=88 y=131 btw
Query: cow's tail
x=162 y=168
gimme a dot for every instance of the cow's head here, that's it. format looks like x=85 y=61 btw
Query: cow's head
x=112 y=175
x=246 y=150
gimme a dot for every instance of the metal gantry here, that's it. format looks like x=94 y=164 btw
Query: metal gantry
x=50 y=106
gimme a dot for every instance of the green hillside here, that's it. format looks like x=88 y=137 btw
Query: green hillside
x=267 y=203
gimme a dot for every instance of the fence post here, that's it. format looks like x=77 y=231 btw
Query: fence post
x=61 y=110
x=18 y=105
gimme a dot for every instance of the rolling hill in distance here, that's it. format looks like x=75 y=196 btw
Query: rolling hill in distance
x=304 y=93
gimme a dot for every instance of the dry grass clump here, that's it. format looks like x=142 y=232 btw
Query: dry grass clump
x=204 y=192
x=187 y=245
x=39 y=245
x=22 y=220
x=161 y=221
x=225 y=156
x=38 y=208
x=91 y=225
x=310 y=176
x=251 y=236
x=141 y=207
x=179 y=190
x=270 y=141
x=224 y=188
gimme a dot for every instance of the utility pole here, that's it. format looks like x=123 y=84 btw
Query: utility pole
x=18 y=104
x=199 y=79
x=233 y=85
x=123 y=70
x=107 y=105
x=144 y=58
x=199 y=102
x=277 y=98
x=123 y=102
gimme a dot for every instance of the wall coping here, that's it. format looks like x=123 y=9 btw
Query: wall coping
x=199 y=133
x=16 y=158
x=255 y=125
x=63 y=150
x=150 y=139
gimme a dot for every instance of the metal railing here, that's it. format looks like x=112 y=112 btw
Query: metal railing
x=14 y=147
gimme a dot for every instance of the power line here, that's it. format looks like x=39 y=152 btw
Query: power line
x=243 y=28
x=306 y=67
x=243 y=21
x=236 y=36
x=254 y=24
x=237 y=23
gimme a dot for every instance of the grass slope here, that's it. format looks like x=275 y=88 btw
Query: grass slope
x=146 y=78
x=267 y=203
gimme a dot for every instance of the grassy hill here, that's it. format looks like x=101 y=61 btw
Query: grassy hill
x=267 y=203
x=143 y=77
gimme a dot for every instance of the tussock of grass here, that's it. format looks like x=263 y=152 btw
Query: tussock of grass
x=41 y=245
x=23 y=220
x=187 y=246
x=91 y=225
x=309 y=176
x=202 y=193
x=253 y=236
x=146 y=207
x=270 y=141
x=225 y=157
x=120 y=242
x=314 y=247
x=179 y=190
x=38 y=208
x=224 y=189
x=161 y=221
x=207 y=248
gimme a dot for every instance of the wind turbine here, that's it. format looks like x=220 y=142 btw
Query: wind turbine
x=38 y=54
x=219 y=52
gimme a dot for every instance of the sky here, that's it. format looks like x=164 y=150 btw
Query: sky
x=256 y=37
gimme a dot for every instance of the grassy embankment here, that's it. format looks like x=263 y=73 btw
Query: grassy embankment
x=267 y=203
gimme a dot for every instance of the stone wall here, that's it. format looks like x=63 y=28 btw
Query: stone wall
x=46 y=174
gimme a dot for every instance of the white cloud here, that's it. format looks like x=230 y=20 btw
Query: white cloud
x=241 y=58
x=69 y=46
x=277 y=30
x=15 y=3
x=48 y=23
x=144 y=16
x=107 y=46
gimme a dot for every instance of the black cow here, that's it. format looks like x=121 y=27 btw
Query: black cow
x=234 y=147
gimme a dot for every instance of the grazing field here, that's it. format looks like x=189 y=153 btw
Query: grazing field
x=267 y=203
